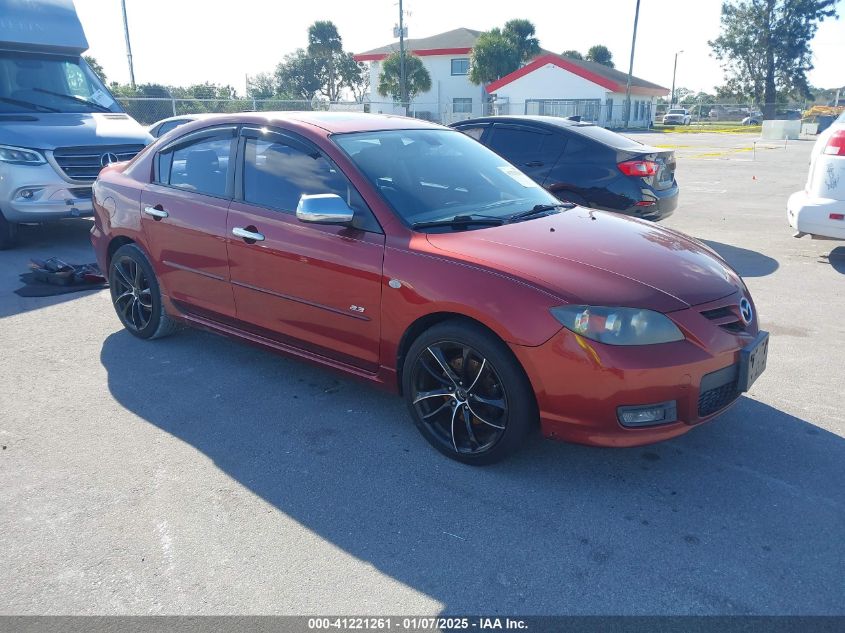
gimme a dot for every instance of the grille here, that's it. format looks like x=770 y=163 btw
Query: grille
x=84 y=163
x=714 y=399
x=726 y=317
x=718 y=389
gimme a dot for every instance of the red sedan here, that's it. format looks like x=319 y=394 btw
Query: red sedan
x=408 y=255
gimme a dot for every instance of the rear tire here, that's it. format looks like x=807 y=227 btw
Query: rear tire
x=467 y=393
x=8 y=233
x=136 y=294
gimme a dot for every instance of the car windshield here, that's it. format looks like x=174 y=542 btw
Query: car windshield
x=433 y=175
x=676 y=111
x=48 y=83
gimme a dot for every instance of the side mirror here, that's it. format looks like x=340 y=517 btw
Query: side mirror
x=324 y=208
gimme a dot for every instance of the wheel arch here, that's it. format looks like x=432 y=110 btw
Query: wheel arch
x=427 y=321
x=115 y=243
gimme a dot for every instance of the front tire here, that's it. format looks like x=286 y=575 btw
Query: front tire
x=136 y=294
x=467 y=394
x=8 y=233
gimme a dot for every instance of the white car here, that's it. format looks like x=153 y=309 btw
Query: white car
x=677 y=116
x=819 y=210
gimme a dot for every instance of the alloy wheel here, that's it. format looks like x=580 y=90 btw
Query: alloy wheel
x=131 y=294
x=459 y=396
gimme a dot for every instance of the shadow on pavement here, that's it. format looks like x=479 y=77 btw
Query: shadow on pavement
x=836 y=258
x=746 y=262
x=740 y=515
x=67 y=240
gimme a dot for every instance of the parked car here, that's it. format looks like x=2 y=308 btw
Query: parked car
x=160 y=128
x=819 y=210
x=58 y=123
x=677 y=116
x=583 y=163
x=406 y=254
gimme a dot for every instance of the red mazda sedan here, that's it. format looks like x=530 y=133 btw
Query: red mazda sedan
x=409 y=255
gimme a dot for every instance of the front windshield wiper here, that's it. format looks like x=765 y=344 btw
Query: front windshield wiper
x=27 y=104
x=92 y=104
x=460 y=221
x=537 y=209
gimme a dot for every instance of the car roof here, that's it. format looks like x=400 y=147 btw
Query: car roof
x=595 y=133
x=527 y=118
x=331 y=122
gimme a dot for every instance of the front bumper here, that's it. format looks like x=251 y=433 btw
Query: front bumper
x=581 y=384
x=36 y=193
x=811 y=215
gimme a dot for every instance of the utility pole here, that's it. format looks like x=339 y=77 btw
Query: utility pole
x=403 y=93
x=631 y=69
x=674 y=72
x=128 y=46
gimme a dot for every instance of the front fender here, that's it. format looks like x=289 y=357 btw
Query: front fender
x=417 y=284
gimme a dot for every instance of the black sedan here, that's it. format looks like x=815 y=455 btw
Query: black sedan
x=583 y=163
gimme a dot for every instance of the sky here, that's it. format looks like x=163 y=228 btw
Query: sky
x=182 y=42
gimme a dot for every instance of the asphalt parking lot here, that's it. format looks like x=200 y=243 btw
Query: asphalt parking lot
x=195 y=475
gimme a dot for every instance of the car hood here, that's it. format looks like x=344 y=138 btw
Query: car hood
x=597 y=258
x=48 y=131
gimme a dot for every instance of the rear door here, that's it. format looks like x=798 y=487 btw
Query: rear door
x=183 y=214
x=532 y=149
x=315 y=287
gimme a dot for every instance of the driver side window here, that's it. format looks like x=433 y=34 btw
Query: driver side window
x=276 y=174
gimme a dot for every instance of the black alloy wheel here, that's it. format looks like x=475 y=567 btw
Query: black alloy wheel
x=136 y=295
x=468 y=395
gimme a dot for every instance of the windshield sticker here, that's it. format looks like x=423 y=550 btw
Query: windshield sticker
x=518 y=176
x=98 y=96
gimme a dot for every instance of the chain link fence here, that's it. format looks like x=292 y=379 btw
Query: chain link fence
x=644 y=114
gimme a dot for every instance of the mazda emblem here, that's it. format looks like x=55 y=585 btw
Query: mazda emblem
x=745 y=310
x=108 y=158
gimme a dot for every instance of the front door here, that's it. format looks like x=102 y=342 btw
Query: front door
x=315 y=287
x=183 y=214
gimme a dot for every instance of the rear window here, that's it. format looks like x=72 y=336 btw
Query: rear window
x=601 y=135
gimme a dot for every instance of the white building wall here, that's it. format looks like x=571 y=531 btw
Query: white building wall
x=550 y=82
x=437 y=103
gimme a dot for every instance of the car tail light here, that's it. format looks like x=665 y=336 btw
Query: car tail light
x=837 y=216
x=638 y=168
x=836 y=144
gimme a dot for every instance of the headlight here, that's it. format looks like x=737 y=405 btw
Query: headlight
x=20 y=156
x=618 y=326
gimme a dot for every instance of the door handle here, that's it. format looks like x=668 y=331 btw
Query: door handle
x=158 y=214
x=534 y=163
x=248 y=235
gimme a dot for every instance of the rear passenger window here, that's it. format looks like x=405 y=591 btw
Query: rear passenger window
x=202 y=166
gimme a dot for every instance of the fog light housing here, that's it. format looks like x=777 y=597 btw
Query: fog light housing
x=648 y=414
x=28 y=193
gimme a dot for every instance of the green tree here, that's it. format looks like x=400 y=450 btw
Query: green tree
x=601 y=55
x=417 y=79
x=520 y=33
x=298 y=75
x=355 y=76
x=95 y=66
x=764 y=47
x=262 y=86
x=499 y=52
x=492 y=57
x=326 y=47
x=572 y=54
